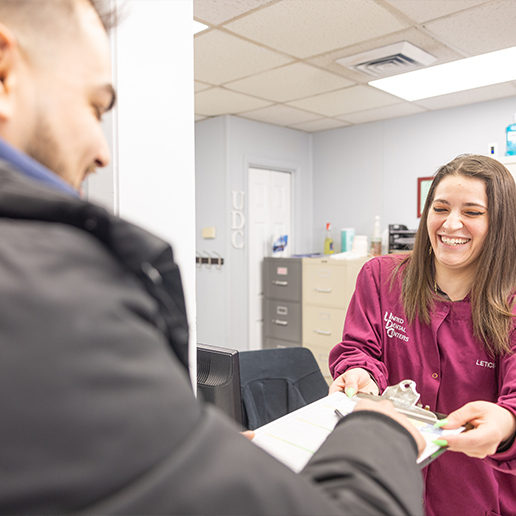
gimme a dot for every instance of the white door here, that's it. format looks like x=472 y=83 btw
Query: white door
x=269 y=215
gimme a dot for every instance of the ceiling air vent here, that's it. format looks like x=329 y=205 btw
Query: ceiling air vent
x=390 y=60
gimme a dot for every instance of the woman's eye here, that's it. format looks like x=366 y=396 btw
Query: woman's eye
x=474 y=213
x=439 y=210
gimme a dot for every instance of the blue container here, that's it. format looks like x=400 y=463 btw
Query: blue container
x=346 y=239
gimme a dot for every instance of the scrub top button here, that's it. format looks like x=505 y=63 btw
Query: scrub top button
x=435 y=375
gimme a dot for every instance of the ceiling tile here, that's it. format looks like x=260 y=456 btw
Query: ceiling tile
x=319 y=125
x=221 y=57
x=383 y=113
x=290 y=82
x=280 y=115
x=480 y=30
x=216 y=12
x=413 y=35
x=218 y=101
x=200 y=86
x=497 y=91
x=306 y=28
x=425 y=11
x=347 y=100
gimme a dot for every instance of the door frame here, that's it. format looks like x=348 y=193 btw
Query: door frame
x=278 y=166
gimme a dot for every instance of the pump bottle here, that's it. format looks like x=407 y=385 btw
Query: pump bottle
x=328 y=242
x=376 y=240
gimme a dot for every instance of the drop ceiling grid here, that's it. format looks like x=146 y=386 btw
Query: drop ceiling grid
x=280 y=114
x=219 y=101
x=349 y=100
x=217 y=12
x=221 y=57
x=423 y=11
x=290 y=82
x=472 y=30
x=257 y=81
x=307 y=28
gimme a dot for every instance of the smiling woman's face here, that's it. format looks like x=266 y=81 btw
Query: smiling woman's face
x=458 y=222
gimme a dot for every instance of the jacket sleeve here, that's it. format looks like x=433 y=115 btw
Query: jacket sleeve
x=361 y=344
x=217 y=471
x=98 y=414
x=506 y=460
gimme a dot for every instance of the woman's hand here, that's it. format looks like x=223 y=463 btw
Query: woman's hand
x=492 y=425
x=386 y=407
x=353 y=381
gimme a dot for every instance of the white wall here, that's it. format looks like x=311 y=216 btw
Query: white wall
x=225 y=148
x=211 y=202
x=154 y=128
x=372 y=169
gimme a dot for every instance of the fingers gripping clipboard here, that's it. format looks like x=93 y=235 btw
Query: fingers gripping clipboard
x=294 y=438
x=405 y=397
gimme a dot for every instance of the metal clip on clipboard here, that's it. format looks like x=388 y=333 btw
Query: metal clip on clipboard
x=404 y=397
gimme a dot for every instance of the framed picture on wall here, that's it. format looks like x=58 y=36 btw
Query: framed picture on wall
x=423 y=186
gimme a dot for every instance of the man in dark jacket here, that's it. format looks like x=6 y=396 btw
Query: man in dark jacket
x=97 y=411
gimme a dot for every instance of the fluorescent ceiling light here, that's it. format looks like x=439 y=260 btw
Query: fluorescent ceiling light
x=464 y=74
x=199 y=27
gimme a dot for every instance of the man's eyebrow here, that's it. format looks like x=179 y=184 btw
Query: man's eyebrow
x=109 y=88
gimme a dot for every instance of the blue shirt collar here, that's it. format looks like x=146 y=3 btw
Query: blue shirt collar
x=33 y=169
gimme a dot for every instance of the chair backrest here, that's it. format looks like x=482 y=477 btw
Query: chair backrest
x=277 y=381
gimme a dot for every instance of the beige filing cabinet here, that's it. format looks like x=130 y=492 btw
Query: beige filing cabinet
x=327 y=287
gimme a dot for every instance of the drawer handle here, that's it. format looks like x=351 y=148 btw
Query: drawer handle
x=323 y=332
x=280 y=322
x=280 y=283
x=324 y=290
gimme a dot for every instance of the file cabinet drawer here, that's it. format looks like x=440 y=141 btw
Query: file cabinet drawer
x=321 y=354
x=282 y=320
x=275 y=343
x=282 y=278
x=330 y=284
x=323 y=326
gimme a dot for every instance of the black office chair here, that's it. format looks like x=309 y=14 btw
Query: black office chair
x=277 y=381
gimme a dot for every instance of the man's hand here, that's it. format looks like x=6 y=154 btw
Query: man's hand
x=492 y=425
x=249 y=434
x=353 y=381
x=386 y=407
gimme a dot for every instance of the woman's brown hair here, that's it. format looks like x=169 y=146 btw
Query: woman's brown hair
x=495 y=282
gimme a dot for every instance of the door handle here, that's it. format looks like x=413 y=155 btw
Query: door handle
x=280 y=283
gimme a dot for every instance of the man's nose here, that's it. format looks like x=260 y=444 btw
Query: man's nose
x=103 y=156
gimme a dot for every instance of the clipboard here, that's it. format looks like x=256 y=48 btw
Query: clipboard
x=294 y=438
x=405 y=397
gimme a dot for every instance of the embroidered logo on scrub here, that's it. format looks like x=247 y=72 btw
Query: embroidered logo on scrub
x=394 y=327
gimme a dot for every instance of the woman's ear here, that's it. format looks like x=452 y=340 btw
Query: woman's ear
x=9 y=53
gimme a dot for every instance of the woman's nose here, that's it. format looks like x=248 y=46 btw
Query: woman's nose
x=453 y=222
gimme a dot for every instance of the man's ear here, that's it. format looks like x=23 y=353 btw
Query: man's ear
x=9 y=53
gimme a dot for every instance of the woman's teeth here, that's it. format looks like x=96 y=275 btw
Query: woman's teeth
x=454 y=241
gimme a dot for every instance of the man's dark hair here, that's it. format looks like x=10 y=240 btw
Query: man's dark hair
x=49 y=14
x=41 y=26
x=107 y=14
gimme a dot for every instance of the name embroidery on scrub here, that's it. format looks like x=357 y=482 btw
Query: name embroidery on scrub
x=483 y=363
x=393 y=327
